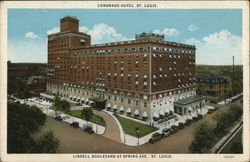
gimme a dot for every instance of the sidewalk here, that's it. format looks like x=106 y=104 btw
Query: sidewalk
x=98 y=129
x=229 y=99
x=224 y=139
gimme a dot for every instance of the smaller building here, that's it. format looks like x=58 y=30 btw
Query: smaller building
x=189 y=105
x=214 y=85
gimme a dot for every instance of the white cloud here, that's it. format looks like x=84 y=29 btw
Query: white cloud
x=168 y=32
x=100 y=33
x=27 y=50
x=53 y=30
x=218 y=48
x=30 y=35
x=192 y=41
x=192 y=27
x=45 y=10
x=83 y=29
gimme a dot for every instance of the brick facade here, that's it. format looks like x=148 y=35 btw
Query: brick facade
x=131 y=74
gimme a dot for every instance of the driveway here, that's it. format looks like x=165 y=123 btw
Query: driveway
x=112 y=131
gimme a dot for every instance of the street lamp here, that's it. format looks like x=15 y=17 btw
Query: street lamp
x=124 y=136
x=96 y=127
x=137 y=133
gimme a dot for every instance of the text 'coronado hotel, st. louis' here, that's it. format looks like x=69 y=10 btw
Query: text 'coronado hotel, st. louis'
x=146 y=78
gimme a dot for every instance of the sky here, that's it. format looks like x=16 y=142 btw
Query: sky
x=216 y=33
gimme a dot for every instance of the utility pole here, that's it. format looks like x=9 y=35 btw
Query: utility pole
x=233 y=79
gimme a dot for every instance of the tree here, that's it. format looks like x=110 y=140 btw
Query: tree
x=203 y=138
x=46 y=143
x=224 y=120
x=65 y=106
x=236 y=110
x=23 y=124
x=57 y=104
x=87 y=113
x=236 y=148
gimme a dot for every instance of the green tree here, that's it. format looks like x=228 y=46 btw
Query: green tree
x=236 y=110
x=57 y=104
x=46 y=143
x=236 y=148
x=23 y=123
x=65 y=106
x=203 y=138
x=87 y=113
x=224 y=120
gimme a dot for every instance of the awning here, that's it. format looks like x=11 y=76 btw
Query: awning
x=74 y=97
x=155 y=115
x=78 y=98
x=172 y=109
x=115 y=107
x=83 y=99
x=86 y=100
x=129 y=110
x=162 y=113
x=108 y=105
x=190 y=109
x=145 y=114
x=121 y=108
x=136 y=112
x=70 y=96
x=91 y=102
x=166 y=111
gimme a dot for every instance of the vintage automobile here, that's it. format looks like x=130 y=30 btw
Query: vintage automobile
x=74 y=125
x=58 y=117
x=155 y=138
x=166 y=132
x=88 y=129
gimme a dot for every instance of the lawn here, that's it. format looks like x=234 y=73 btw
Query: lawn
x=130 y=125
x=77 y=113
x=236 y=139
x=94 y=119
x=215 y=100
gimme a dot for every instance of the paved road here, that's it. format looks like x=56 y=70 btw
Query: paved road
x=112 y=131
x=76 y=141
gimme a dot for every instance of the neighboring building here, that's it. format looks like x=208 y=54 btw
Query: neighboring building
x=141 y=78
x=214 y=85
x=189 y=105
x=37 y=84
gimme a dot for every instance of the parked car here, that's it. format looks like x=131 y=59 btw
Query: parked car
x=58 y=117
x=155 y=138
x=181 y=125
x=195 y=118
x=199 y=116
x=165 y=132
x=173 y=129
x=88 y=130
x=188 y=122
x=210 y=111
x=75 y=124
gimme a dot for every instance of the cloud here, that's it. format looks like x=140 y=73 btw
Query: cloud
x=83 y=29
x=27 y=50
x=218 y=48
x=169 y=32
x=100 y=33
x=192 y=28
x=30 y=35
x=45 y=10
x=192 y=41
x=53 y=30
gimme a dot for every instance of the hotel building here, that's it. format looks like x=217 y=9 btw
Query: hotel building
x=141 y=78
